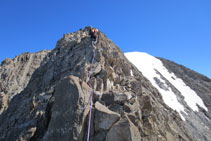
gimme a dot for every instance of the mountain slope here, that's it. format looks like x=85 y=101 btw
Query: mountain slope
x=54 y=104
x=182 y=89
x=15 y=75
x=199 y=83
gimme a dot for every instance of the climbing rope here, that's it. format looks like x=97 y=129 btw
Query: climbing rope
x=94 y=43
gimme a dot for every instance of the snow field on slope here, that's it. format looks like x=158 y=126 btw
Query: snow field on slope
x=148 y=65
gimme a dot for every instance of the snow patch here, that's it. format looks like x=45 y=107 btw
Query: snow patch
x=131 y=72
x=150 y=66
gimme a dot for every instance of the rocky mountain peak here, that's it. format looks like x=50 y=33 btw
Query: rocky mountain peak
x=53 y=102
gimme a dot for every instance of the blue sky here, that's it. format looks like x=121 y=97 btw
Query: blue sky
x=178 y=30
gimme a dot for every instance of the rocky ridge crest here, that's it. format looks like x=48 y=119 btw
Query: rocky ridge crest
x=52 y=103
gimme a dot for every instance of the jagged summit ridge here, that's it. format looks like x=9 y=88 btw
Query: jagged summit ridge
x=53 y=105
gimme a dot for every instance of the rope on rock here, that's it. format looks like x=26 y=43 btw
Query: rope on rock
x=94 y=43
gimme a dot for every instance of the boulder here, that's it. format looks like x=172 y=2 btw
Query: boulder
x=123 y=130
x=68 y=113
x=114 y=97
x=104 y=118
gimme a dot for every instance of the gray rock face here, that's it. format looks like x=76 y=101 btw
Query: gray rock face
x=53 y=105
x=15 y=75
